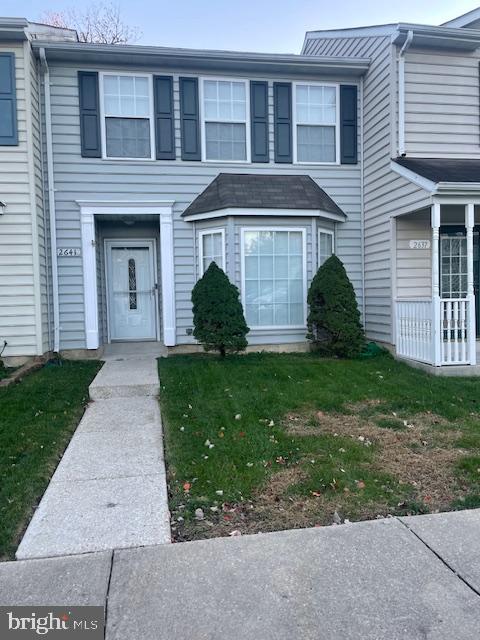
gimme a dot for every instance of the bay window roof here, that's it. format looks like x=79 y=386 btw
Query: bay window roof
x=244 y=193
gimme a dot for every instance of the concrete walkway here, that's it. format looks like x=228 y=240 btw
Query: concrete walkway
x=109 y=490
x=396 y=579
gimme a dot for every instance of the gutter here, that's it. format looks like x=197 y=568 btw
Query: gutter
x=51 y=201
x=362 y=200
x=401 y=94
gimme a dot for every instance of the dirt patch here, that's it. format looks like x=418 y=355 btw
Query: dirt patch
x=418 y=451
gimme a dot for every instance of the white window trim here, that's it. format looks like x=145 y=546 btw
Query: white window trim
x=206 y=232
x=304 y=261
x=246 y=122
x=337 y=121
x=329 y=232
x=151 y=118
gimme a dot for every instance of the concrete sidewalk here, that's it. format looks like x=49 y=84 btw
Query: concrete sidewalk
x=395 y=579
x=109 y=490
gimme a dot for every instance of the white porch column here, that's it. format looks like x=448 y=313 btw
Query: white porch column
x=89 y=258
x=471 y=329
x=168 y=277
x=437 y=329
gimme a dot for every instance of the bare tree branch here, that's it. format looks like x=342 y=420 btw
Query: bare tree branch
x=100 y=22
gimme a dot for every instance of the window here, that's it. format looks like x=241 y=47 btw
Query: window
x=127 y=116
x=225 y=120
x=453 y=266
x=325 y=245
x=212 y=249
x=316 y=123
x=274 y=277
x=132 y=284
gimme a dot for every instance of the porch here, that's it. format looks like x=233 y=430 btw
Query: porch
x=435 y=285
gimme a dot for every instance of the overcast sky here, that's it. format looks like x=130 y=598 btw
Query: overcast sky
x=251 y=25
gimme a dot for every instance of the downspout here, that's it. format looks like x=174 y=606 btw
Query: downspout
x=362 y=200
x=401 y=94
x=51 y=201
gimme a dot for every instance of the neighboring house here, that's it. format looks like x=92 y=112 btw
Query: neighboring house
x=127 y=169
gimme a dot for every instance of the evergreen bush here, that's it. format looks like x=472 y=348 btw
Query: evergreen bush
x=219 y=323
x=333 y=321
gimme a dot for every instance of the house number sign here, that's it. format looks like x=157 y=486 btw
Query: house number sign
x=419 y=244
x=68 y=252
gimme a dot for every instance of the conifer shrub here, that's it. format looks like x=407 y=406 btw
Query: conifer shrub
x=333 y=321
x=219 y=323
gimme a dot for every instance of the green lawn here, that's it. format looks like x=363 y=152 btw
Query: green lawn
x=37 y=419
x=267 y=441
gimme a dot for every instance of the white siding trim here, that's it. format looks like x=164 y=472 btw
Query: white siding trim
x=291 y=213
x=411 y=176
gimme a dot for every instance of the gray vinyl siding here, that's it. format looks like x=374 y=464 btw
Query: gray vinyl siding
x=442 y=104
x=386 y=194
x=20 y=324
x=413 y=266
x=78 y=178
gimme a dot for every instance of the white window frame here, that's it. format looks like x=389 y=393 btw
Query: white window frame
x=337 y=121
x=103 y=129
x=304 y=264
x=206 y=232
x=329 y=232
x=246 y=122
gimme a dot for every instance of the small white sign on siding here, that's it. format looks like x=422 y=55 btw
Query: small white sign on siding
x=68 y=252
x=419 y=244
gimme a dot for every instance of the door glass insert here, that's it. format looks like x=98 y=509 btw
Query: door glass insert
x=453 y=266
x=132 y=283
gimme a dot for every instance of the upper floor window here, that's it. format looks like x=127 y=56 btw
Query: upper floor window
x=127 y=123
x=316 y=129
x=225 y=120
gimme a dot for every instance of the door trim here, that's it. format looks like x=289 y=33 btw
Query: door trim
x=137 y=242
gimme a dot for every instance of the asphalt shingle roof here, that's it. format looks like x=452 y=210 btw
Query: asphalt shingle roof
x=443 y=169
x=257 y=191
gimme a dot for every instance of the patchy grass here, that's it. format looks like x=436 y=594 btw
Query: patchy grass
x=37 y=419
x=266 y=441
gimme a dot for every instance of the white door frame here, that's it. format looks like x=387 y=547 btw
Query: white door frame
x=164 y=210
x=137 y=242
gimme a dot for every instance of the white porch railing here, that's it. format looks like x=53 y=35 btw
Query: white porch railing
x=454 y=339
x=414 y=328
x=438 y=332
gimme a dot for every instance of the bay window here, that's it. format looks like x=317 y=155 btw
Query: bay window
x=212 y=249
x=274 y=277
x=127 y=123
x=225 y=120
x=316 y=123
x=325 y=245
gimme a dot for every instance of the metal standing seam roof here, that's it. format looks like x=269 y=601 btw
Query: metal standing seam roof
x=253 y=191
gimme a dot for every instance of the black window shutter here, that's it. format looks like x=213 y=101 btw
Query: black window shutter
x=190 y=119
x=89 y=114
x=8 y=101
x=259 y=120
x=282 y=102
x=164 y=117
x=348 y=124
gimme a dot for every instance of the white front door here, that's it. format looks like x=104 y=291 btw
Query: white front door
x=131 y=290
